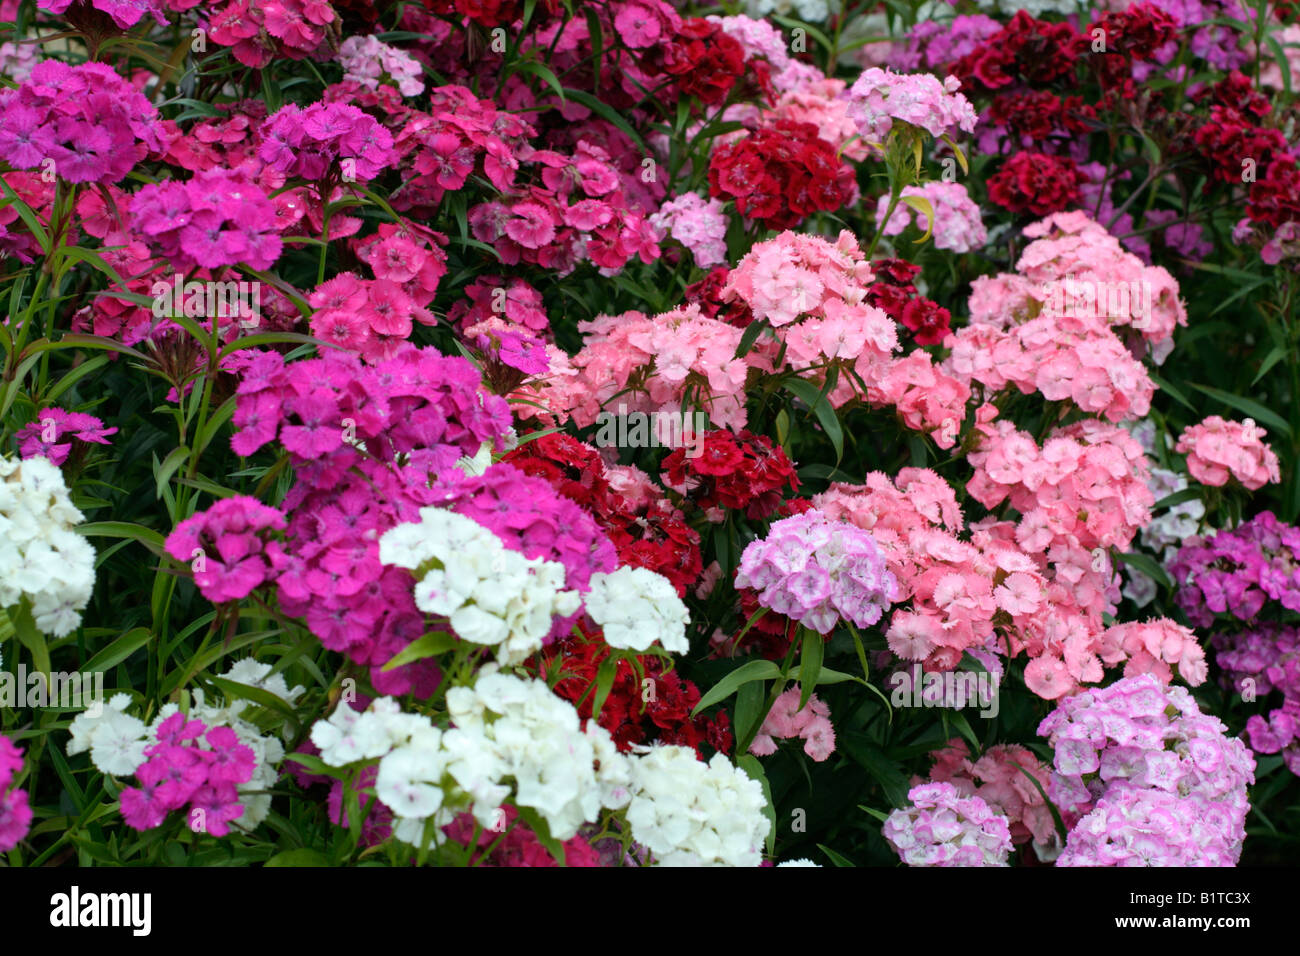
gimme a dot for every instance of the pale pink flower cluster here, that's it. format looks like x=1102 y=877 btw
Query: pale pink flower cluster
x=1154 y=647
x=666 y=354
x=926 y=397
x=1217 y=449
x=785 y=720
x=957 y=224
x=956 y=587
x=1001 y=778
x=823 y=105
x=940 y=827
x=1072 y=322
x=823 y=287
x=1063 y=358
x=367 y=60
x=698 y=224
x=818 y=571
x=1127 y=755
x=1087 y=485
x=879 y=97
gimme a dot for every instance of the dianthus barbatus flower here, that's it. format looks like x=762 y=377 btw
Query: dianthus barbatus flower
x=817 y=571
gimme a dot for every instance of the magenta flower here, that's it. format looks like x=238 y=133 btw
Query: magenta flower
x=227 y=548
x=42 y=437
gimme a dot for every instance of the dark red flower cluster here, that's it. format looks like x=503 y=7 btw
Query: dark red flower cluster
x=781 y=173
x=893 y=292
x=1228 y=138
x=1275 y=198
x=1236 y=92
x=1038 y=116
x=650 y=537
x=1136 y=32
x=1036 y=183
x=654 y=706
x=703 y=61
x=743 y=472
x=1033 y=50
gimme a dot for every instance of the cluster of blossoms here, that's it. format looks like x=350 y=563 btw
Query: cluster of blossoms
x=1238 y=571
x=15 y=812
x=228 y=547
x=811 y=724
x=218 y=218
x=698 y=224
x=1001 y=777
x=367 y=60
x=259 y=31
x=220 y=759
x=489 y=594
x=1217 y=449
x=879 y=98
x=326 y=139
x=780 y=174
x=87 y=121
x=689 y=813
x=649 y=363
x=46 y=562
x=647 y=702
x=941 y=827
x=509 y=729
x=819 y=571
x=1031 y=330
x=957 y=225
x=1137 y=751
x=49 y=435
x=736 y=472
x=637 y=609
x=1255 y=662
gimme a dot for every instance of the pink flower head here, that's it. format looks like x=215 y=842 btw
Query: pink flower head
x=1217 y=449
x=42 y=437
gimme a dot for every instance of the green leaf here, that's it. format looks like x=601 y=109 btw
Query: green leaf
x=1177 y=498
x=881 y=768
x=30 y=635
x=118 y=651
x=604 y=683
x=1262 y=415
x=834 y=857
x=1147 y=566
x=543 y=72
x=744 y=674
x=609 y=114
x=1056 y=814
x=124 y=529
x=431 y=644
x=163 y=472
x=821 y=408
x=1273 y=357
x=748 y=715
x=750 y=336
x=300 y=857
x=922 y=206
x=810 y=664
x=543 y=832
x=1174 y=393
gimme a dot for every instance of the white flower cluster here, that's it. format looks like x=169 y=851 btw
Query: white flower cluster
x=490 y=594
x=117 y=740
x=42 y=558
x=366 y=60
x=506 y=728
x=637 y=608
x=689 y=813
x=515 y=736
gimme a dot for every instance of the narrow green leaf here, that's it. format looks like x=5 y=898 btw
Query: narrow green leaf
x=745 y=673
